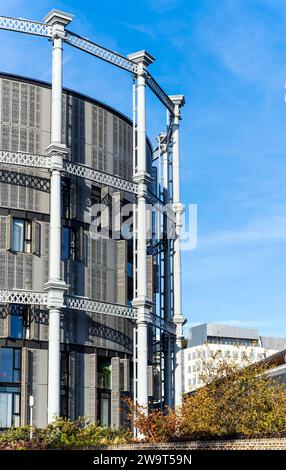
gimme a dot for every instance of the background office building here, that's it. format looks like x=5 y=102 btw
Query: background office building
x=233 y=343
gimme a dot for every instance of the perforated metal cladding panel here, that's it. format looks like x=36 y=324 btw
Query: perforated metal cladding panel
x=4 y=320
x=39 y=390
x=121 y=275
x=21 y=110
x=122 y=148
x=76 y=380
x=78 y=130
x=25 y=386
x=150 y=278
x=82 y=390
x=22 y=188
x=115 y=392
x=3 y=229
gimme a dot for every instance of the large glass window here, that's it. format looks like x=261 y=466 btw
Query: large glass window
x=22 y=235
x=10 y=365
x=10 y=377
x=17 y=322
x=68 y=243
x=9 y=407
x=20 y=321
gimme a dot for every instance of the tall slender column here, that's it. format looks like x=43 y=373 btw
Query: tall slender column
x=168 y=382
x=143 y=59
x=179 y=320
x=56 y=287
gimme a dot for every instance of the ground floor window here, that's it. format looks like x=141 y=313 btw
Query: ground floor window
x=104 y=408
x=9 y=407
x=10 y=396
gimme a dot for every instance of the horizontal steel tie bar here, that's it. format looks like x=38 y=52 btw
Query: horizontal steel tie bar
x=101 y=52
x=24 y=159
x=22 y=25
x=100 y=177
x=86 y=304
x=159 y=92
x=163 y=324
x=29 y=297
x=24 y=297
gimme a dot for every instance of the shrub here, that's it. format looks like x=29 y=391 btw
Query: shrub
x=62 y=434
x=235 y=401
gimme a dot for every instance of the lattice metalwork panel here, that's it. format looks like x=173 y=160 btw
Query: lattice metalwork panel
x=82 y=303
x=25 y=26
x=111 y=334
x=23 y=297
x=162 y=324
x=159 y=92
x=100 y=177
x=28 y=181
x=24 y=159
x=100 y=52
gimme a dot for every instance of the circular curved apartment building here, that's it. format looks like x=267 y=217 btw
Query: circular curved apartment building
x=90 y=244
x=100 y=138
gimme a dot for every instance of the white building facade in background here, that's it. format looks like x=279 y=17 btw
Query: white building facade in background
x=226 y=342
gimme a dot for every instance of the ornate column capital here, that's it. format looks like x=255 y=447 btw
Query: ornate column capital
x=58 y=20
x=143 y=307
x=55 y=290
x=179 y=101
x=143 y=59
x=57 y=152
x=179 y=321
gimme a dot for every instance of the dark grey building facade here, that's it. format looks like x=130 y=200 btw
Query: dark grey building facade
x=96 y=349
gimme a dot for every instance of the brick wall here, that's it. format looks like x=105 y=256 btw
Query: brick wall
x=236 y=444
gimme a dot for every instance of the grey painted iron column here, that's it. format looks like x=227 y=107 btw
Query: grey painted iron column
x=55 y=287
x=142 y=178
x=178 y=319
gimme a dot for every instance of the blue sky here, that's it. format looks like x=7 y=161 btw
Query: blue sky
x=228 y=58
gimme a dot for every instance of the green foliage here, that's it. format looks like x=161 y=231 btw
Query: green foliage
x=62 y=434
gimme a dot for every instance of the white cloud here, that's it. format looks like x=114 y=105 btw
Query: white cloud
x=269 y=229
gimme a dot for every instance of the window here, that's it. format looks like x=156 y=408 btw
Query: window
x=22 y=235
x=65 y=200
x=9 y=407
x=10 y=365
x=74 y=244
x=10 y=377
x=68 y=243
x=20 y=321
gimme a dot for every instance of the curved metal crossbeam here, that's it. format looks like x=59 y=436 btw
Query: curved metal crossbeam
x=23 y=297
x=37 y=28
x=101 y=52
x=27 y=181
x=21 y=25
x=100 y=177
x=24 y=159
x=89 y=305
